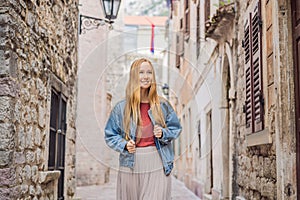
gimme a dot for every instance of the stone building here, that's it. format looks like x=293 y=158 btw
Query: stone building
x=266 y=143
x=201 y=87
x=238 y=97
x=38 y=90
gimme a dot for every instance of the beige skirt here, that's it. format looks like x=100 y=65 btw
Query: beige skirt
x=147 y=180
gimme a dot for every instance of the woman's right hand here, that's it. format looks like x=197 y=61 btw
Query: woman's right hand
x=130 y=146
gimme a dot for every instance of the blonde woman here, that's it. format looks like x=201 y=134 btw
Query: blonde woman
x=142 y=128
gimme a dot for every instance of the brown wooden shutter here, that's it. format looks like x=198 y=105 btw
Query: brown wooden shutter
x=248 y=74
x=252 y=43
x=257 y=68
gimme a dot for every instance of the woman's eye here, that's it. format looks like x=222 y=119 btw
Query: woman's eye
x=149 y=72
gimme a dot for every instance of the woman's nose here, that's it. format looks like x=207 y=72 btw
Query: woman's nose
x=145 y=75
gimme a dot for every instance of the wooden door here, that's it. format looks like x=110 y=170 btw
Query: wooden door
x=296 y=45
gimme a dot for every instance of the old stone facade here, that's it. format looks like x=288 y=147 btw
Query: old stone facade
x=234 y=89
x=266 y=156
x=38 y=67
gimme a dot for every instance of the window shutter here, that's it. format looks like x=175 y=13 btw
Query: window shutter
x=257 y=68
x=253 y=71
x=248 y=74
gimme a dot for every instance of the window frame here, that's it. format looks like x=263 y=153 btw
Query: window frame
x=254 y=107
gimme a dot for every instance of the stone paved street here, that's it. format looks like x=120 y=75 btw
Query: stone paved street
x=107 y=191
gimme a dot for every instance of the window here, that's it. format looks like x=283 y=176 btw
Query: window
x=207 y=10
x=187 y=19
x=199 y=137
x=252 y=43
x=198 y=30
x=179 y=47
x=57 y=138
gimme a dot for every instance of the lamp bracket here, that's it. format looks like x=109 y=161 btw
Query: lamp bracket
x=87 y=23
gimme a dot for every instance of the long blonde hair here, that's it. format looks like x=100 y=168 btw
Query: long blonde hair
x=132 y=107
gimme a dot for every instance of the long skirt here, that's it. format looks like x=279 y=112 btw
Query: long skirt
x=147 y=180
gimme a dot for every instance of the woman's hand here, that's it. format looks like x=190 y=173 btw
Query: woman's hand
x=157 y=130
x=130 y=146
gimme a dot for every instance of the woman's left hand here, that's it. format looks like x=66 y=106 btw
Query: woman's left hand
x=157 y=130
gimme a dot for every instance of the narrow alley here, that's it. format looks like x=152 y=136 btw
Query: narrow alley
x=214 y=85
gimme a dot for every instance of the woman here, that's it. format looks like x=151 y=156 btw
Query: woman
x=142 y=128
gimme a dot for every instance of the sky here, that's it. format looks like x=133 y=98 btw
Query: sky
x=146 y=7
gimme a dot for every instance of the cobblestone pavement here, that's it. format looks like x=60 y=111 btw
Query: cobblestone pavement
x=108 y=190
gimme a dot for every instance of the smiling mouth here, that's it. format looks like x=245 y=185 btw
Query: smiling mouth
x=145 y=82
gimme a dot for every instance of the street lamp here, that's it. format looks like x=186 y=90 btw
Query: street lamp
x=165 y=90
x=111 y=8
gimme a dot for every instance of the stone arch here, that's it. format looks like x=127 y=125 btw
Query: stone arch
x=226 y=85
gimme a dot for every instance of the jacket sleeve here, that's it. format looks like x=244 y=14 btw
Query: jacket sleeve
x=173 y=127
x=113 y=137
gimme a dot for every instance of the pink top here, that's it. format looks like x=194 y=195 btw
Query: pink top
x=147 y=137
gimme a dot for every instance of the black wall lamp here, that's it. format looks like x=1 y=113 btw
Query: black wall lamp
x=111 y=8
x=165 y=90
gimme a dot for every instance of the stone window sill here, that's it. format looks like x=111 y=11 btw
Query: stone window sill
x=48 y=176
x=259 y=138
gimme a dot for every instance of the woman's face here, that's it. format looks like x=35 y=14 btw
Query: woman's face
x=146 y=75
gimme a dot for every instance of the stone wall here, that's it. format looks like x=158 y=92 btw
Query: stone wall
x=38 y=49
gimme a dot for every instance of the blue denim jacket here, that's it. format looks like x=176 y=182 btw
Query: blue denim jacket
x=115 y=135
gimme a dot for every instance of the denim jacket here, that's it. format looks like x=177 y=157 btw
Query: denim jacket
x=115 y=135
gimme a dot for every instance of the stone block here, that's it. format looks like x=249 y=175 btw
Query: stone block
x=255 y=163
x=39 y=156
x=267 y=167
x=5 y=194
x=8 y=60
x=21 y=139
x=29 y=137
x=41 y=89
x=6 y=144
x=39 y=190
x=268 y=190
x=34 y=173
x=31 y=190
x=25 y=94
x=8 y=87
x=30 y=157
x=7 y=177
x=26 y=173
x=252 y=183
x=4 y=69
x=17 y=112
x=273 y=169
x=19 y=157
x=41 y=116
x=261 y=164
x=37 y=137
x=33 y=114
x=26 y=117
x=5 y=108
x=5 y=158
x=6 y=131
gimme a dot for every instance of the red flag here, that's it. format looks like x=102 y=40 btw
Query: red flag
x=152 y=38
